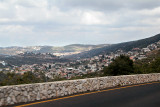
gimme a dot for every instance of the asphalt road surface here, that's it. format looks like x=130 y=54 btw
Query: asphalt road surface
x=143 y=95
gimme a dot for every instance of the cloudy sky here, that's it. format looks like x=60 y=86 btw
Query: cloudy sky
x=62 y=22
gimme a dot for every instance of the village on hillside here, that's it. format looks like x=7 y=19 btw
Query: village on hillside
x=79 y=67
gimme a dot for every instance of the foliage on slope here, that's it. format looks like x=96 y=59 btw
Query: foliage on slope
x=150 y=64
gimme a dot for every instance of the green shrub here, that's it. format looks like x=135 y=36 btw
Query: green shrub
x=122 y=65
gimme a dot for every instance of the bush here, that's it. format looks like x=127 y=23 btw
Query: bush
x=15 y=79
x=122 y=65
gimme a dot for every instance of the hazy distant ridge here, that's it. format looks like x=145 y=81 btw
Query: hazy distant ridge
x=14 y=50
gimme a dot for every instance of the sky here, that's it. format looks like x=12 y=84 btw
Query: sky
x=63 y=22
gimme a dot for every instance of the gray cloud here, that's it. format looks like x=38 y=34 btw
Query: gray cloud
x=107 y=5
x=61 y=22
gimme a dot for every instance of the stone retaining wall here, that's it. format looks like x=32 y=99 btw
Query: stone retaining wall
x=31 y=92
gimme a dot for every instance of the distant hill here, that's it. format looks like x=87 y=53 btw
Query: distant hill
x=14 y=50
x=126 y=46
x=69 y=48
x=84 y=50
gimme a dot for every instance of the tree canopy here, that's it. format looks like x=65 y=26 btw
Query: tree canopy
x=122 y=65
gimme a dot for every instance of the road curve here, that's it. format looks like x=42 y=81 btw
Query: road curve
x=142 y=95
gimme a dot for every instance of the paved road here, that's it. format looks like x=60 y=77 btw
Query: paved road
x=147 y=95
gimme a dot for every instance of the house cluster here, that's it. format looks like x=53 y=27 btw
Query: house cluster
x=137 y=53
x=83 y=66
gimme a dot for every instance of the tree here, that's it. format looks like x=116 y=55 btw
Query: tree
x=122 y=65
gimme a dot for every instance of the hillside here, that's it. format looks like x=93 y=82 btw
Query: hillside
x=151 y=56
x=126 y=46
x=69 y=48
x=84 y=51
x=14 y=50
